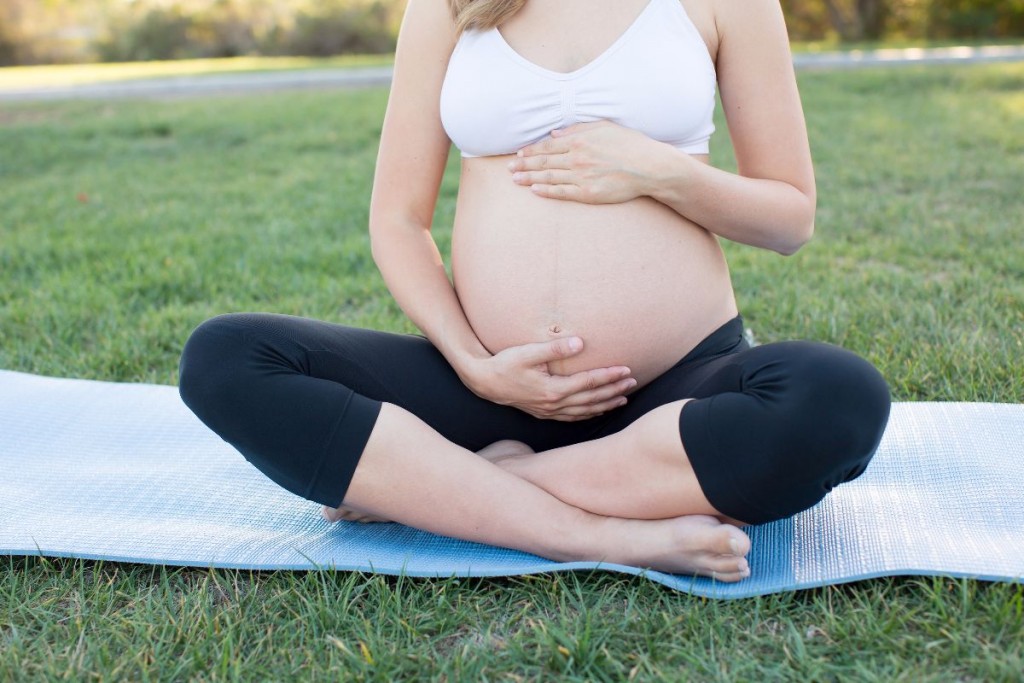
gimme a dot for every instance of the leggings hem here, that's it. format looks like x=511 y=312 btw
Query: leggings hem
x=356 y=420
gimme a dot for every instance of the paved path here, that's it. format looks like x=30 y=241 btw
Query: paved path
x=369 y=76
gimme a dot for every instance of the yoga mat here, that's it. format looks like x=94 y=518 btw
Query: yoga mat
x=125 y=472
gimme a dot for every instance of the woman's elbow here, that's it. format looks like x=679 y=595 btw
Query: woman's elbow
x=799 y=230
x=796 y=239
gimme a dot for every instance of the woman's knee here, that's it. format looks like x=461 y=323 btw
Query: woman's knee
x=816 y=417
x=834 y=411
x=214 y=355
x=838 y=402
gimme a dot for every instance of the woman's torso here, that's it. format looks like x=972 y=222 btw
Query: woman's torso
x=640 y=284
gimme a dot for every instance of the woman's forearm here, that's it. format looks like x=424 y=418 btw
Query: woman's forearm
x=414 y=272
x=771 y=214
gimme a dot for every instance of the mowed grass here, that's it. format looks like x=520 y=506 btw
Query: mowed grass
x=125 y=224
x=62 y=75
x=51 y=76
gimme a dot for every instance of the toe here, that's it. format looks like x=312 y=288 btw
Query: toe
x=731 y=541
x=726 y=564
x=730 y=577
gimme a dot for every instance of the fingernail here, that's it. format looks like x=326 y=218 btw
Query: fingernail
x=621 y=402
x=511 y=165
x=631 y=383
x=518 y=176
x=575 y=344
x=519 y=153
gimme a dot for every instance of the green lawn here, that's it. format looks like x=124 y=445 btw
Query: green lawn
x=125 y=224
x=16 y=78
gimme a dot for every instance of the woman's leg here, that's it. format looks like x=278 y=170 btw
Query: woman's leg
x=412 y=475
x=298 y=397
x=773 y=430
x=641 y=472
x=334 y=413
x=497 y=450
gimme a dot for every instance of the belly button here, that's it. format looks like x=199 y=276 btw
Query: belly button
x=555 y=329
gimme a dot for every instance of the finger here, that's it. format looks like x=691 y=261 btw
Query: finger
x=593 y=409
x=537 y=353
x=573 y=193
x=545 y=146
x=609 y=392
x=540 y=162
x=587 y=380
x=567 y=418
x=548 y=177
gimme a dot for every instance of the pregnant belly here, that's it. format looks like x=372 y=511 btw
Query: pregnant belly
x=637 y=282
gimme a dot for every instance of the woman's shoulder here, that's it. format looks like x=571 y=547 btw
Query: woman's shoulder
x=718 y=20
x=702 y=14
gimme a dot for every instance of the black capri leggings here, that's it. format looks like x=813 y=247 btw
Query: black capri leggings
x=774 y=428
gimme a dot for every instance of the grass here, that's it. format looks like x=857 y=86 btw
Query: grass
x=16 y=78
x=125 y=224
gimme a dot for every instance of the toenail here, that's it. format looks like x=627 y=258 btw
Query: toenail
x=735 y=545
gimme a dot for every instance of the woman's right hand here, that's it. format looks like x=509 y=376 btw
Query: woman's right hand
x=518 y=376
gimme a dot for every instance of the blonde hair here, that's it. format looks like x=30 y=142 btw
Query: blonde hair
x=482 y=14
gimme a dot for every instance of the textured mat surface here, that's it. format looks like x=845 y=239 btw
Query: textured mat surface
x=125 y=472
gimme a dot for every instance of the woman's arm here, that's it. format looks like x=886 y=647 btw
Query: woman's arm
x=770 y=202
x=410 y=164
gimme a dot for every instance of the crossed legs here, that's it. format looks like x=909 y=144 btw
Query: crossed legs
x=450 y=490
x=381 y=423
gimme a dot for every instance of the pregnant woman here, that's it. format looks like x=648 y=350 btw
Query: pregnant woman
x=583 y=390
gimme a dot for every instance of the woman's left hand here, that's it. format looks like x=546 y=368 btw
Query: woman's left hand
x=599 y=162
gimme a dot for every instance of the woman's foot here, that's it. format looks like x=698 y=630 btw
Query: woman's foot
x=349 y=515
x=496 y=452
x=502 y=450
x=694 y=544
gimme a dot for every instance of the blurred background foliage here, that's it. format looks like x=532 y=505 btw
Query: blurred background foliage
x=65 y=31
x=859 y=20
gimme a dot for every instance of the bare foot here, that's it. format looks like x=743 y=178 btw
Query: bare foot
x=497 y=451
x=502 y=450
x=694 y=544
x=349 y=515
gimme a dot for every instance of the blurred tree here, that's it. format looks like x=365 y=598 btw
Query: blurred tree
x=975 y=18
x=53 y=31
x=857 y=19
x=806 y=19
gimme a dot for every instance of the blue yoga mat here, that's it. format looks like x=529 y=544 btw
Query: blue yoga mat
x=125 y=472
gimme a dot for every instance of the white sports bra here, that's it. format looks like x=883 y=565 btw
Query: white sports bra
x=657 y=78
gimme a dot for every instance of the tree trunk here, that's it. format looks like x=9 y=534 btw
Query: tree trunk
x=872 y=16
x=857 y=20
x=845 y=25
